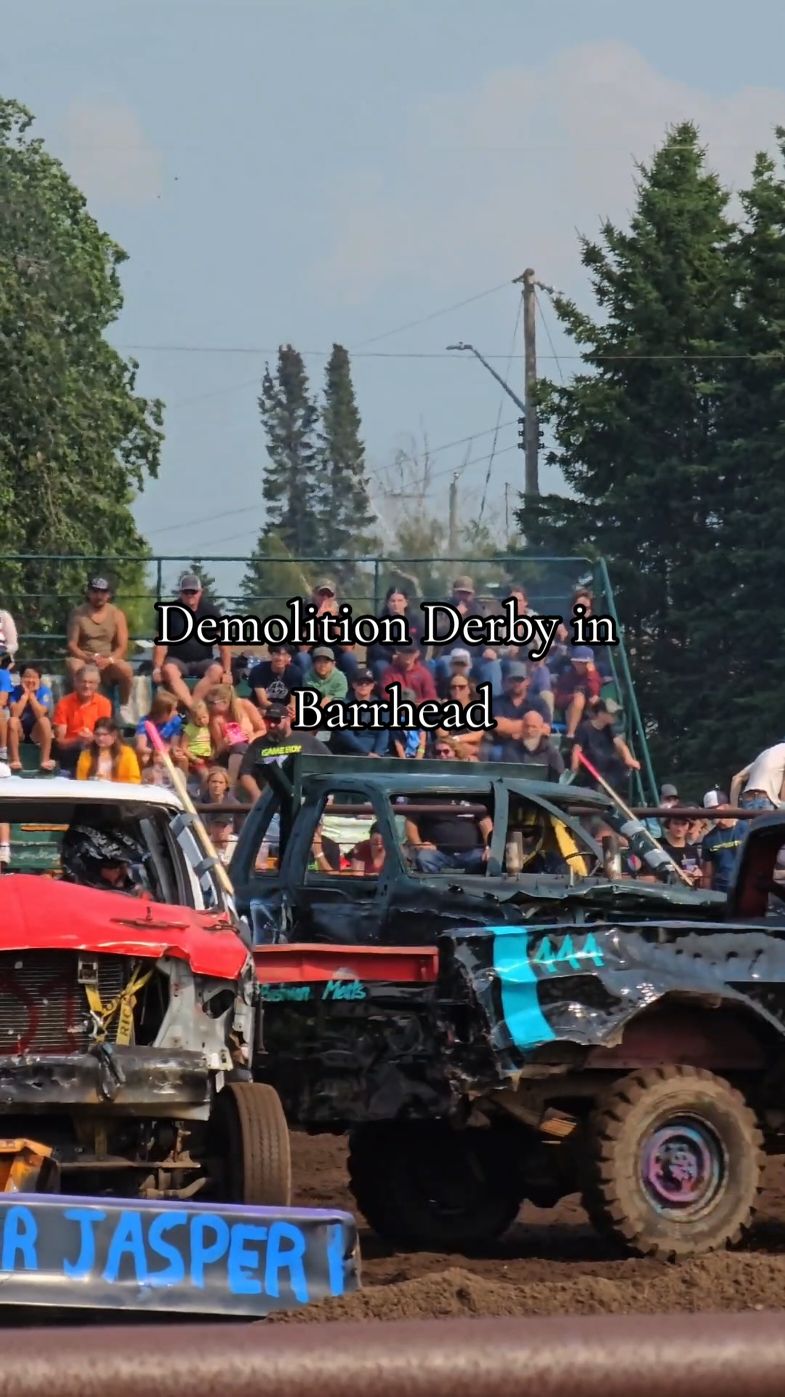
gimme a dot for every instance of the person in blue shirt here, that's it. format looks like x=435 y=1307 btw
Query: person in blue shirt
x=364 y=741
x=720 y=847
x=6 y=687
x=30 y=706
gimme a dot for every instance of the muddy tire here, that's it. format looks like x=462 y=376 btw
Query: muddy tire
x=674 y=1163
x=252 y=1136
x=432 y=1186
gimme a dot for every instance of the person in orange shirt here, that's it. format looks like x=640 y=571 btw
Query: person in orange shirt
x=76 y=715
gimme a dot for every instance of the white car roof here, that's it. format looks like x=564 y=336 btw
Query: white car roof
x=60 y=788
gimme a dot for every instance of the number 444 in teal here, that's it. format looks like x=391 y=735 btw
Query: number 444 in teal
x=553 y=956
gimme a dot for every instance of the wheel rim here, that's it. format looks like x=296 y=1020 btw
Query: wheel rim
x=683 y=1167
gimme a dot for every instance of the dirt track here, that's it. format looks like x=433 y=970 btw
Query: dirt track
x=550 y=1263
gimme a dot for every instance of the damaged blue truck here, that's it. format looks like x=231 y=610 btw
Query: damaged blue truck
x=537 y=1027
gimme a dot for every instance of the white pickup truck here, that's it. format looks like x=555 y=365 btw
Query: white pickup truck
x=41 y=810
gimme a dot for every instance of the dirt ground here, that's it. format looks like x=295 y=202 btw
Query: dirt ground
x=549 y=1263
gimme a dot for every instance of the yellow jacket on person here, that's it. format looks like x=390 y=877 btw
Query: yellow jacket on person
x=127 y=767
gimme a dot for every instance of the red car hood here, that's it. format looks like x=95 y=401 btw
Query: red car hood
x=45 y=914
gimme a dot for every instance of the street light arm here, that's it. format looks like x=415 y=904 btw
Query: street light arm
x=491 y=370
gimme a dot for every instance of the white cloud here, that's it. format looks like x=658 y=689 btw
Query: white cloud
x=108 y=156
x=492 y=178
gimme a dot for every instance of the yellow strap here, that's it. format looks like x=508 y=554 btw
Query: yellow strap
x=123 y=1004
x=569 y=850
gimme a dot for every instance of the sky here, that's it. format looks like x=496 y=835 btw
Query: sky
x=320 y=171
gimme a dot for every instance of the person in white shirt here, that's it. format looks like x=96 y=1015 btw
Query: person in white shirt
x=9 y=640
x=761 y=784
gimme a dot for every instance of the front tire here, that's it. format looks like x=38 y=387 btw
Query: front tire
x=428 y=1185
x=674 y=1163
x=251 y=1137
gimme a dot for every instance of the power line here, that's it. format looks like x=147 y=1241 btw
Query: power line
x=436 y=354
x=373 y=475
x=499 y=413
x=412 y=324
x=546 y=327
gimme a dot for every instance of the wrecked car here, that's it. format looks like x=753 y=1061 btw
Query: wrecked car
x=560 y=1034
x=47 y=814
x=301 y=870
x=140 y=1164
x=126 y=1043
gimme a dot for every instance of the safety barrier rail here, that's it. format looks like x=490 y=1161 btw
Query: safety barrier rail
x=691 y=1355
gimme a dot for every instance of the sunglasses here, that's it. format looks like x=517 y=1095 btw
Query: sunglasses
x=443 y=751
x=190 y=591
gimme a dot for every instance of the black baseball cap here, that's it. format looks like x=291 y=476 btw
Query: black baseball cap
x=276 y=712
x=364 y=676
x=98 y=584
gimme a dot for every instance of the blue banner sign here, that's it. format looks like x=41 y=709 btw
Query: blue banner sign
x=194 y=1258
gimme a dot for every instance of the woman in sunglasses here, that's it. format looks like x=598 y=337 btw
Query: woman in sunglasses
x=462 y=692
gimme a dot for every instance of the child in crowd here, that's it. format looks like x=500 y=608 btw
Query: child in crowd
x=165 y=717
x=108 y=758
x=196 y=741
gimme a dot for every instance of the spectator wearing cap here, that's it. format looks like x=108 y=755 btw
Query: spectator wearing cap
x=272 y=680
x=362 y=741
x=720 y=847
x=325 y=677
x=192 y=658
x=577 y=683
x=98 y=635
x=606 y=750
x=459 y=666
x=324 y=599
x=396 y=603
x=669 y=796
x=509 y=712
x=408 y=670
x=462 y=599
x=280 y=742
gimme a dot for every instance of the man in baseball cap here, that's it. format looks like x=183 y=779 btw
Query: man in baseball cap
x=578 y=682
x=720 y=847
x=329 y=682
x=98 y=635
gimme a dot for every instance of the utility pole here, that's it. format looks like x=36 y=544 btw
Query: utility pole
x=531 y=425
x=452 y=531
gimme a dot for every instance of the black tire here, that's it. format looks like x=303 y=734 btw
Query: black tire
x=432 y=1186
x=251 y=1136
x=674 y=1163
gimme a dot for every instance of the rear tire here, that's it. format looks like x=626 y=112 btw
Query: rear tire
x=675 y=1159
x=432 y=1186
x=251 y=1136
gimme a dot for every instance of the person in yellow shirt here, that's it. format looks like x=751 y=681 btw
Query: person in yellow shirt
x=108 y=758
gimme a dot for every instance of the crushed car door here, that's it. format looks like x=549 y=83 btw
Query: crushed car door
x=562 y=836
x=335 y=866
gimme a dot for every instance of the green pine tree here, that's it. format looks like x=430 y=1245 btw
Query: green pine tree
x=346 y=518
x=289 y=479
x=749 y=597
x=636 y=435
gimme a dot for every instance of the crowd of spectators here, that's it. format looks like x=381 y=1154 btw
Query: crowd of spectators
x=551 y=716
x=546 y=713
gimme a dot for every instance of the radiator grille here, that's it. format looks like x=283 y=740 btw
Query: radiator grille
x=43 y=1008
